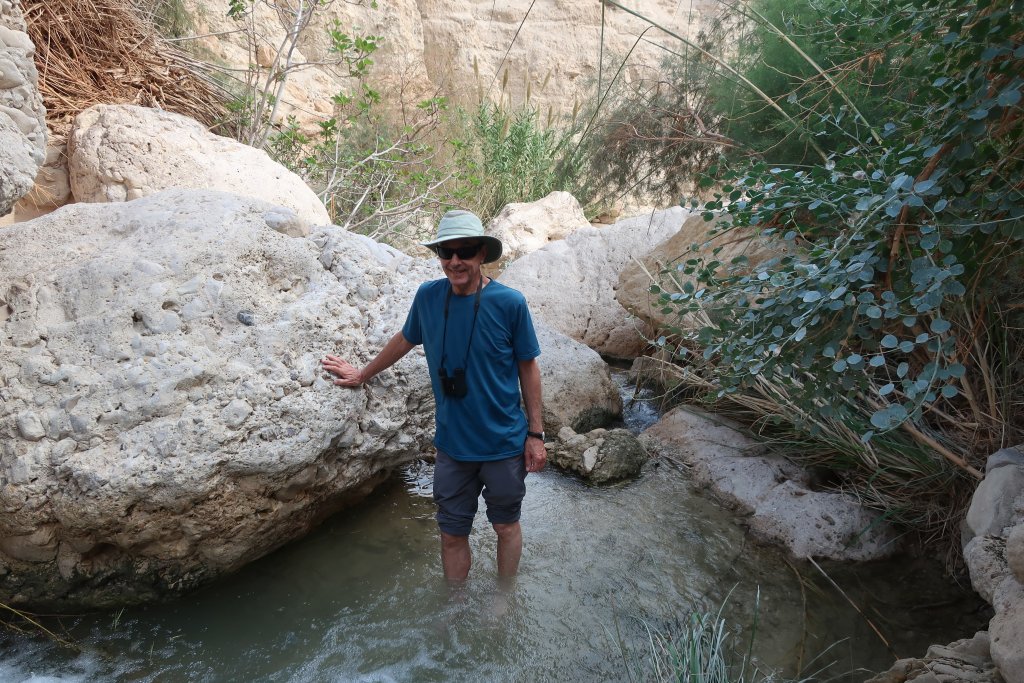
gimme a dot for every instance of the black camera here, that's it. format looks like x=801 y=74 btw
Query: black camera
x=454 y=386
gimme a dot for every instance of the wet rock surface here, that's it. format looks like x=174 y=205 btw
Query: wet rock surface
x=600 y=456
x=774 y=495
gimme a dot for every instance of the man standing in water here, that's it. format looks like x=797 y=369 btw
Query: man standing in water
x=481 y=351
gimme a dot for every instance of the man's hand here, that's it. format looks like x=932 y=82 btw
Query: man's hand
x=535 y=453
x=349 y=375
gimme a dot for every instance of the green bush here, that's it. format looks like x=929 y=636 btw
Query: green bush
x=650 y=137
x=885 y=332
x=518 y=156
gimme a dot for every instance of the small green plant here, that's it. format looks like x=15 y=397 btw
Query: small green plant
x=384 y=179
x=263 y=87
x=170 y=17
x=697 y=648
x=519 y=156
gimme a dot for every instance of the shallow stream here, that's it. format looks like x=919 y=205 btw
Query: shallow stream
x=361 y=600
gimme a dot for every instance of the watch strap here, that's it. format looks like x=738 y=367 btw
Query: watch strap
x=536 y=435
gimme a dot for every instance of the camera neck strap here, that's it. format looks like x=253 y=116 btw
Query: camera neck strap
x=472 y=329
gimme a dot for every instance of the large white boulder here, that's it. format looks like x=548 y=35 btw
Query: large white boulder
x=122 y=152
x=578 y=388
x=163 y=415
x=571 y=283
x=528 y=226
x=22 y=117
x=773 y=494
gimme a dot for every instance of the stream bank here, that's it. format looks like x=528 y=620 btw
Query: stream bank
x=360 y=599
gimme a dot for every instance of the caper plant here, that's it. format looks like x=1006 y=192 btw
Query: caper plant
x=897 y=258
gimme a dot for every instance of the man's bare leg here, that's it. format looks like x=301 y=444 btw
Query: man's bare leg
x=510 y=549
x=455 y=557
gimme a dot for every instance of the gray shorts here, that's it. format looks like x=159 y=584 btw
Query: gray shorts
x=457 y=488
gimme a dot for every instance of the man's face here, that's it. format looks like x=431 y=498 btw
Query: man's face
x=462 y=273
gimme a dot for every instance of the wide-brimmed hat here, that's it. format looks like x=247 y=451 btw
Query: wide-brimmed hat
x=459 y=225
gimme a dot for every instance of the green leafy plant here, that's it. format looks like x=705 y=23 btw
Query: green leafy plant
x=887 y=327
x=518 y=156
x=262 y=88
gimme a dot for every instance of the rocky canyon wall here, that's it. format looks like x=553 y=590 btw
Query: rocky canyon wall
x=550 y=49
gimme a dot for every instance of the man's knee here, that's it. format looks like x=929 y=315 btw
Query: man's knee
x=507 y=531
x=453 y=541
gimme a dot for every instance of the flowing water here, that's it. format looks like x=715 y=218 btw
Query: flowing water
x=361 y=599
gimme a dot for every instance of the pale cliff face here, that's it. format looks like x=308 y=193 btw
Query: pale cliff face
x=430 y=46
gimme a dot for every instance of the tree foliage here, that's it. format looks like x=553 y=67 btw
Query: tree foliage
x=893 y=309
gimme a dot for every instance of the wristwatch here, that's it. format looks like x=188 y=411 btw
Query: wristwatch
x=536 y=435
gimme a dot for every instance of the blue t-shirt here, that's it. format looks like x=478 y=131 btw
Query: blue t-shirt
x=488 y=423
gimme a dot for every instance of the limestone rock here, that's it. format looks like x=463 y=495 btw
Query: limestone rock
x=965 y=661
x=118 y=153
x=773 y=494
x=52 y=186
x=600 y=456
x=571 y=283
x=1015 y=552
x=397 y=64
x=994 y=534
x=151 y=440
x=999 y=494
x=460 y=49
x=690 y=241
x=557 y=47
x=578 y=389
x=22 y=117
x=1007 y=632
x=986 y=561
x=526 y=227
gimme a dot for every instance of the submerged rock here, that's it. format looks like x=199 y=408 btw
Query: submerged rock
x=601 y=456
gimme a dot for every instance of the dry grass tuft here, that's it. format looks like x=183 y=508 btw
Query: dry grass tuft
x=101 y=52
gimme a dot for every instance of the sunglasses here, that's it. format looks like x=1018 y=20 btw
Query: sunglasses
x=464 y=253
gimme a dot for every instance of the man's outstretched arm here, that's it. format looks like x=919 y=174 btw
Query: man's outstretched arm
x=349 y=376
x=529 y=383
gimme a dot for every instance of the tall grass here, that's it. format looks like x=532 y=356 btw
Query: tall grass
x=519 y=156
